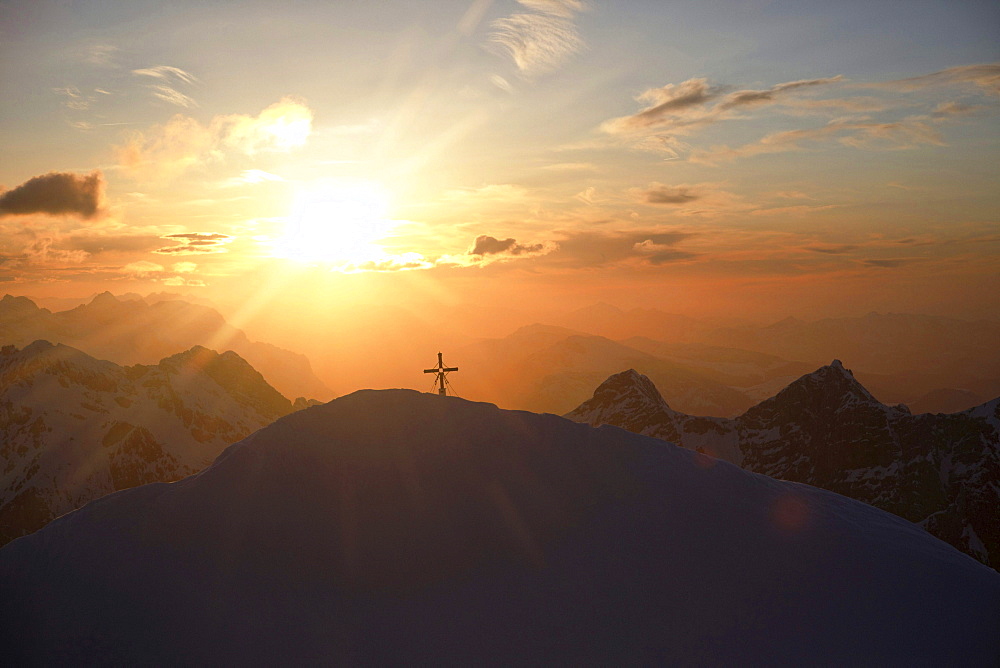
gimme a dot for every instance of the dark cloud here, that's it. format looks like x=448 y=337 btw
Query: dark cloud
x=487 y=245
x=59 y=193
x=670 y=256
x=196 y=242
x=661 y=194
x=889 y=264
x=833 y=250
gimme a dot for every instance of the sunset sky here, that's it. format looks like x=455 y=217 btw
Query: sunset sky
x=749 y=159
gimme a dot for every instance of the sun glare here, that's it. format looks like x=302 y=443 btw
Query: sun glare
x=337 y=223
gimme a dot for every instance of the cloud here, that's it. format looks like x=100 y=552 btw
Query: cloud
x=658 y=193
x=280 y=127
x=896 y=135
x=833 y=250
x=589 y=248
x=660 y=253
x=985 y=77
x=74 y=99
x=891 y=263
x=667 y=106
x=168 y=78
x=141 y=269
x=184 y=267
x=174 y=281
x=57 y=193
x=700 y=199
x=174 y=97
x=40 y=251
x=496 y=193
x=192 y=243
x=947 y=110
x=401 y=262
x=95 y=243
x=564 y=8
x=542 y=41
x=165 y=151
x=695 y=103
x=487 y=245
x=745 y=98
x=166 y=73
x=101 y=55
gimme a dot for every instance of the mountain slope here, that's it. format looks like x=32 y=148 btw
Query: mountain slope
x=826 y=429
x=73 y=428
x=134 y=332
x=390 y=527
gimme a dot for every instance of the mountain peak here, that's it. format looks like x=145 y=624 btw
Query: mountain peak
x=12 y=306
x=628 y=394
x=826 y=391
x=233 y=374
x=391 y=525
x=104 y=298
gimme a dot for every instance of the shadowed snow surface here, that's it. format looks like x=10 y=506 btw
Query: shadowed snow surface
x=393 y=526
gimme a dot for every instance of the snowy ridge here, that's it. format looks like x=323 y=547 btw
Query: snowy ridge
x=392 y=526
x=826 y=429
x=74 y=428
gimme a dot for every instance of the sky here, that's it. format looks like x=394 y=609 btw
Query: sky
x=750 y=159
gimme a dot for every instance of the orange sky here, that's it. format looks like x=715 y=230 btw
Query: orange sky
x=742 y=160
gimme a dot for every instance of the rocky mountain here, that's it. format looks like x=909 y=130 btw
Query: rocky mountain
x=132 y=331
x=941 y=471
x=74 y=428
x=392 y=527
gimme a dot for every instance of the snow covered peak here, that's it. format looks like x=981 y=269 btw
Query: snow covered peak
x=393 y=526
x=628 y=394
x=832 y=387
x=232 y=373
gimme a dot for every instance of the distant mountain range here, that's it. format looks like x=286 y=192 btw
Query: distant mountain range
x=74 y=428
x=825 y=429
x=932 y=364
x=132 y=331
x=544 y=368
x=393 y=527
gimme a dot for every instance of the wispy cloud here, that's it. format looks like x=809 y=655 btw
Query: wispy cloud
x=195 y=243
x=540 y=41
x=694 y=103
x=985 y=77
x=101 y=55
x=902 y=134
x=169 y=79
x=141 y=269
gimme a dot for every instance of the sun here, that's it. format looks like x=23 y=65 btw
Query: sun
x=337 y=223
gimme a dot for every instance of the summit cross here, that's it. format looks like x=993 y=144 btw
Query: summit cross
x=442 y=371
